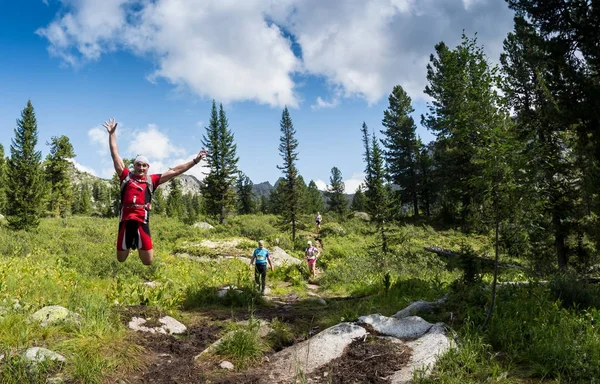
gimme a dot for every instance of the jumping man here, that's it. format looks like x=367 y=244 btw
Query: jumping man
x=136 y=196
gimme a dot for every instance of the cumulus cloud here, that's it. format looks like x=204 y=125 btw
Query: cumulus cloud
x=350 y=185
x=320 y=103
x=237 y=51
x=152 y=143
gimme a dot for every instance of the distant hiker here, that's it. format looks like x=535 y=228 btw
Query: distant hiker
x=261 y=257
x=136 y=196
x=311 y=253
x=318 y=220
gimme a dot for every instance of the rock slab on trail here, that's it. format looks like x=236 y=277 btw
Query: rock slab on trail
x=311 y=354
x=408 y=328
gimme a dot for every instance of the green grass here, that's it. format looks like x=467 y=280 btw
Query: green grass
x=539 y=333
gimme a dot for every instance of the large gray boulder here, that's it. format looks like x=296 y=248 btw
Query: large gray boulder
x=408 y=328
x=280 y=257
x=54 y=314
x=311 y=354
x=203 y=225
x=425 y=352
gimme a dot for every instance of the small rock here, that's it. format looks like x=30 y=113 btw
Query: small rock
x=54 y=314
x=38 y=355
x=316 y=300
x=169 y=326
x=226 y=365
x=203 y=225
x=151 y=284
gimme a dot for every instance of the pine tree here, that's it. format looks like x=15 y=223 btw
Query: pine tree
x=359 y=201
x=376 y=192
x=217 y=188
x=335 y=193
x=57 y=175
x=85 y=201
x=246 y=204
x=25 y=186
x=175 y=207
x=288 y=149
x=2 y=180
x=402 y=147
x=159 y=203
x=313 y=201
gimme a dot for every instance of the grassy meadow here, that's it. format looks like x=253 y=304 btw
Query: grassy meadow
x=539 y=333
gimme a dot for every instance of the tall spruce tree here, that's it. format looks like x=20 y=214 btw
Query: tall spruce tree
x=288 y=149
x=402 y=147
x=246 y=200
x=218 y=186
x=25 y=185
x=376 y=192
x=462 y=86
x=550 y=176
x=337 y=201
x=57 y=174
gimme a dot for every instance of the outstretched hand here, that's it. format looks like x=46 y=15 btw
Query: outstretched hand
x=110 y=125
x=201 y=155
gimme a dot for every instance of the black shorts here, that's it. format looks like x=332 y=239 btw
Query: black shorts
x=134 y=235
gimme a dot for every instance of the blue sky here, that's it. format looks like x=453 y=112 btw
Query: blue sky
x=156 y=65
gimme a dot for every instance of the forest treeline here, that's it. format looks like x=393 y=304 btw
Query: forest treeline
x=517 y=150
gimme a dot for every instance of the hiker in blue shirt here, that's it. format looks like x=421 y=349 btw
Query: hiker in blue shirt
x=261 y=257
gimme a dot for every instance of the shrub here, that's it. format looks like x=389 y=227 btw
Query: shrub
x=243 y=344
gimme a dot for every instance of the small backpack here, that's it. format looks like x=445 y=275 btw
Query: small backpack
x=147 y=195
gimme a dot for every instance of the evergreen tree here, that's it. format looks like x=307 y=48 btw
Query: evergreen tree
x=57 y=175
x=192 y=208
x=302 y=194
x=550 y=176
x=276 y=201
x=2 y=180
x=263 y=205
x=85 y=201
x=175 y=207
x=335 y=193
x=288 y=149
x=217 y=188
x=25 y=186
x=313 y=201
x=246 y=204
x=463 y=112
x=159 y=203
x=402 y=147
x=359 y=201
x=376 y=192
x=427 y=188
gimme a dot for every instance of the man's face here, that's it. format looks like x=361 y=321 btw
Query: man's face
x=140 y=169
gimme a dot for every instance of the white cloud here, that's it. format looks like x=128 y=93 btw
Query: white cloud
x=153 y=144
x=99 y=138
x=321 y=185
x=236 y=51
x=325 y=104
x=353 y=182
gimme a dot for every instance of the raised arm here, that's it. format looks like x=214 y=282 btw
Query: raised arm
x=111 y=127
x=178 y=170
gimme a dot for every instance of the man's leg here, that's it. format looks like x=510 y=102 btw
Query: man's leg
x=145 y=250
x=146 y=256
x=256 y=276
x=263 y=274
x=122 y=251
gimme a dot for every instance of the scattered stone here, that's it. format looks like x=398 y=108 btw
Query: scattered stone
x=151 y=284
x=38 y=355
x=312 y=294
x=419 y=307
x=169 y=326
x=226 y=365
x=313 y=287
x=203 y=225
x=221 y=293
x=56 y=380
x=408 y=328
x=425 y=352
x=54 y=314
x=311 y=354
